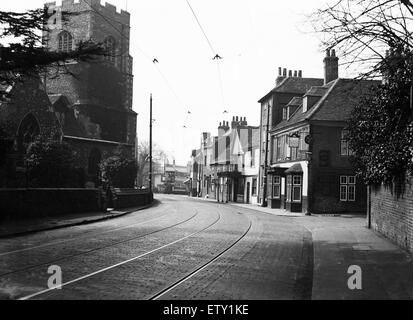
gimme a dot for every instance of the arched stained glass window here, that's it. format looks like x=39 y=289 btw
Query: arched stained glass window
x=28 y=131
x=65 y=42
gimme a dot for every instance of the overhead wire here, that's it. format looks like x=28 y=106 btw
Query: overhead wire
x=214 y=52
x=151 y=60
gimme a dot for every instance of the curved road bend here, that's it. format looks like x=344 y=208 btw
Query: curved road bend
x=182 y=249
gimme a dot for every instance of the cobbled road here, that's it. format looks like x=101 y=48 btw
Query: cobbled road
x=181 y=249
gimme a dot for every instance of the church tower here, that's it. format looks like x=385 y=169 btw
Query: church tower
x=100 y=94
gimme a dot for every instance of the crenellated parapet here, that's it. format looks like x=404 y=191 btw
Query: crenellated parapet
x=108 y=10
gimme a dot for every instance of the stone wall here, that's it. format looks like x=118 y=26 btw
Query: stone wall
x=16 y=204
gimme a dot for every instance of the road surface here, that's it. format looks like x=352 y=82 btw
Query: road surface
x=189 y=249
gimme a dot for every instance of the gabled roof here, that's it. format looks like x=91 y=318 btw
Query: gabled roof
x=336 y=104
x=294 y=85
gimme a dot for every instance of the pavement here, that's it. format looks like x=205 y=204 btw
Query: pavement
x=28 y=226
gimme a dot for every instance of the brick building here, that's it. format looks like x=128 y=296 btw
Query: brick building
x=308 y=165
x=226 y=166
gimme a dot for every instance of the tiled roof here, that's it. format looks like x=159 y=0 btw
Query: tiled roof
x=317 y=91
x=341 y=99
x=338 y=100
x=294 y=85
x=296 y=101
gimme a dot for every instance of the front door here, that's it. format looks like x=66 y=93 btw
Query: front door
x=248 y=192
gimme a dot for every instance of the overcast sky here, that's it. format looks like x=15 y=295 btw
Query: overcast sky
x=254 y=37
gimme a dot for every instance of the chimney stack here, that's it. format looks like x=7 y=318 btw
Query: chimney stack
x=280 y=76
x=330 y=66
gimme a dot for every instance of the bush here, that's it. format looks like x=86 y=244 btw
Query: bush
x=51 y=164
x=119 y=171
x=381 y=127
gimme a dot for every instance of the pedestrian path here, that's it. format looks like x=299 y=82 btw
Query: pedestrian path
x=341 y=244
x=28 y=226
x=256 y=207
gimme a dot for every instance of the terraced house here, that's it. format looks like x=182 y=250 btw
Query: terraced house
x=306 y=158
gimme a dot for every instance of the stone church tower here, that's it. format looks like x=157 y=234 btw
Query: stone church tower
x=94 y=103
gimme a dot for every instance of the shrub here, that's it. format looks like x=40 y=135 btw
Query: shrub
x=51 y=164
x=119 y=171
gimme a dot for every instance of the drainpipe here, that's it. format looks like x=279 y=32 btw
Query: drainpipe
x=265 y=177
x=369 y=206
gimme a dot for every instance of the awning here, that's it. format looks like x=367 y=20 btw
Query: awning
x=297 y=168
x=277 y=171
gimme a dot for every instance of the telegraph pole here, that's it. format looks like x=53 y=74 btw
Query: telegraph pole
x=150 y=147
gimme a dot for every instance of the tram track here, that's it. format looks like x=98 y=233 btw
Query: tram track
x=99 y=248
x=90 y=275
x=201 y=268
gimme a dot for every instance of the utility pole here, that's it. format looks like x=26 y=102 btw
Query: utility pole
x=265 y=177
x=150 y=146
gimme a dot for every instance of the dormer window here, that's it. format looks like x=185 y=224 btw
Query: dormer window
x=285 y=113
x=305 y=104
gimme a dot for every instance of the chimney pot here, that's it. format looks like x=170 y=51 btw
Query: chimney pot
x=236 y=119
x=290 y=73
x=300 y=73
x=328 y=52
x=295 y=73
x=285 y=72
x=280 y=71
x=333 y=53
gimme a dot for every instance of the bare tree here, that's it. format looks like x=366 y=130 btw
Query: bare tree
x=158 y=157
x=363 y=30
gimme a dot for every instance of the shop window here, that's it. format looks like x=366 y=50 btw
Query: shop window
x=294 y=188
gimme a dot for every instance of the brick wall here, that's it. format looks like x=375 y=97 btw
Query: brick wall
x=392 y=213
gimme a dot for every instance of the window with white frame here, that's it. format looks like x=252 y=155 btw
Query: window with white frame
x=294 y=188
x=347 y=188
x=345 y=149
x=276 y=187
